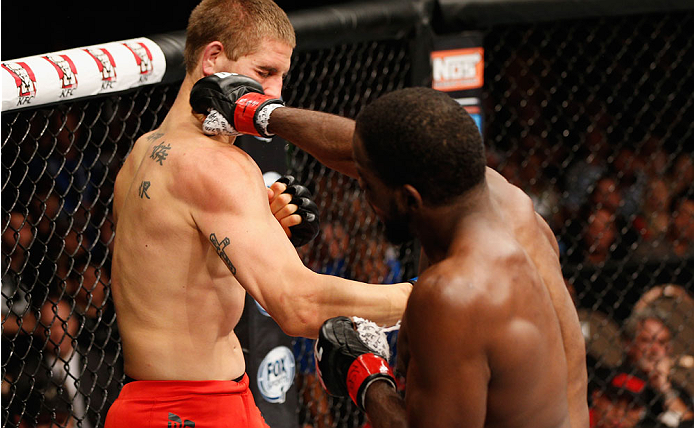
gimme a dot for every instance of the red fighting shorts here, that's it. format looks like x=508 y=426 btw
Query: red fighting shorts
x=185 y=404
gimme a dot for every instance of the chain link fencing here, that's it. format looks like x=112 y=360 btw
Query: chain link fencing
x=591 y=117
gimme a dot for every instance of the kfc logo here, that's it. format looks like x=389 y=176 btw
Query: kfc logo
x=106 y=64
x=24 y=78
x=67 y=72
x=143 y=57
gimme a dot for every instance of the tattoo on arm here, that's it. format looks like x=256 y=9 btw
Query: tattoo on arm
x=143 y=189
x=219 y=246
x=160 y=152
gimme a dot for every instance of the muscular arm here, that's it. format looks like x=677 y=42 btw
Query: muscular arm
x=231 y=211
x=447 y=373
x=325 y=136
x=385 y=407
x=447 y=370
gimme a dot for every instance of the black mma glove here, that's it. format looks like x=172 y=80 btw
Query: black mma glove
x=308 y=229
x=345 y=364
x=239 y=100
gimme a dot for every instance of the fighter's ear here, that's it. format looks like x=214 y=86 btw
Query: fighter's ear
x=212 y=56
x=412 y=199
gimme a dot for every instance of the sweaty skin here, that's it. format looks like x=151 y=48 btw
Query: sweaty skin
x=487 y=300
x=195 y=232
x=537 y=239
x=529 y=261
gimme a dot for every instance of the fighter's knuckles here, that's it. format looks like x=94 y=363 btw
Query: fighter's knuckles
x=289 y=221
x=217 y=96
x=220 y=91
x=286 y=179
x=281 y=202
x=278 y=187
x=307 y=226
x=299 y=191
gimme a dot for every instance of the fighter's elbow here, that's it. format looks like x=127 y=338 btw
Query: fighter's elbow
x=299 y=318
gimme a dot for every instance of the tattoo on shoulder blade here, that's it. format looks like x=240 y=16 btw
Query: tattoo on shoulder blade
x=154 y=136
x=143 y=189
x=219 y=246
x=160 y=152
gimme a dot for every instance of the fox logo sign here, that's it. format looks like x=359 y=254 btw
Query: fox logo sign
x=276 y=374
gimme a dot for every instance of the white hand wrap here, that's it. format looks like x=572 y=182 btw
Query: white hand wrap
x=262 y=118
x=216 y=124
x=374 y=336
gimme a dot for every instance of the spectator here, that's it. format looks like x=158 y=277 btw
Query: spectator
x=540 y=189
x=373 y=263
x=648 y=343
x=601 y=333
x=17 y=237
x=607 y=194
x=85 y=316
x=58 y=326
x=655 y=211
x=619 y=399
x=598 y=232
x=332 y=247
x=87 y=284
x=681 y=233
x=656 y=159
x=39 y=402
x=629 y=170
x=683 y=172
x=596 y=242
x=584 y=173
x=673 y=293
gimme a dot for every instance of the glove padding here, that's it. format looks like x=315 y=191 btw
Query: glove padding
x=345 y=364
x=238 y=99
x=308 y=229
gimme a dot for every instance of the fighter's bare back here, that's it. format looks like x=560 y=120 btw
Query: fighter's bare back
x=177 y=304
x=194 y=233
x=503 y=274
x=537 y=239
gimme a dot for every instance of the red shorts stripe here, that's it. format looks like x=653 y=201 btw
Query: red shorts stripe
x=185 y=404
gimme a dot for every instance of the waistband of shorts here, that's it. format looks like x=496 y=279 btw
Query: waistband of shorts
x=175 y=388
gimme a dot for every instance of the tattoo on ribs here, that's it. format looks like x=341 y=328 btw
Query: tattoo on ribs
x=143 y=189
x=219 y=246
x=160 y=152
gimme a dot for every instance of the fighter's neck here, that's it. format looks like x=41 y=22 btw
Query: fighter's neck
x=441 y=228
x=181 y=113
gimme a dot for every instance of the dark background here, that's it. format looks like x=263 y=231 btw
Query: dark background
x=32 y=27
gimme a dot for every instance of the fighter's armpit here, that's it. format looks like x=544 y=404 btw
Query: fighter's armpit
x=219 y=247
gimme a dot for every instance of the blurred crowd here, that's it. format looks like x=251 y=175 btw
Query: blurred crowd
x=60 y=351
x=613 y=201
x=607 y=205
x=642 y=373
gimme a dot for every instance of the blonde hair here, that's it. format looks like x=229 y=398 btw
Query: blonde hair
x=240 y=25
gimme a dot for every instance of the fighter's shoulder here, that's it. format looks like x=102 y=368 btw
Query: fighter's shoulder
x=208 y=171
x=507 y=193
x=448 y=286
x=451 y=305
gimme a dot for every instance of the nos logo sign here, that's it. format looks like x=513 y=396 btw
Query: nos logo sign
x=458 y=69
x=276 y=374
